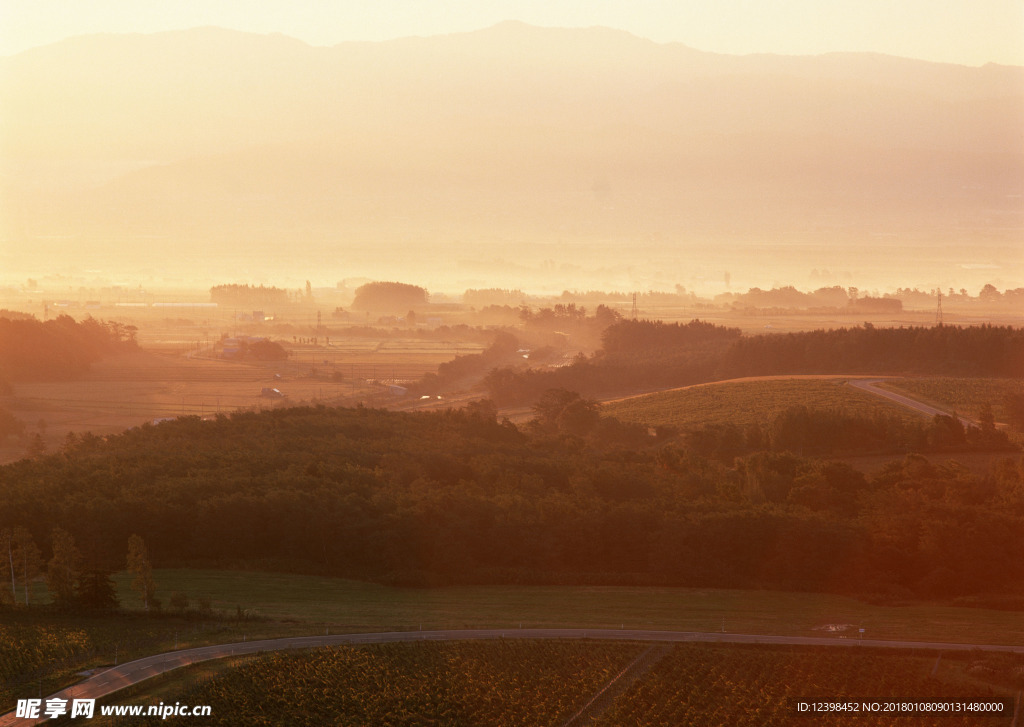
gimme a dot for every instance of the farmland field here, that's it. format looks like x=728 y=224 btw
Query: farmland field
x=129 y=390
x=470 y=683
x=709 y=685
x=746 y=402
x=546 y=682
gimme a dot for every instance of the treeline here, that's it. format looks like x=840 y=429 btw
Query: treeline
x=639 y=355
x=634 y=355
x=629 y=337
x=58 y=349
x=459 y=497
x=829 y=433
x=985 y=350
x=74 y=581
x=263 y=296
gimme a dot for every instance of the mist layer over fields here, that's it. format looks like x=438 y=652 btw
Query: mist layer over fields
x=526 y=157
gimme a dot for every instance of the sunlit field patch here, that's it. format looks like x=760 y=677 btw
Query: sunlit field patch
x=743 y=403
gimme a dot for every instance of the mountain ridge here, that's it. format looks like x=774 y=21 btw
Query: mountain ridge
x=212 y=136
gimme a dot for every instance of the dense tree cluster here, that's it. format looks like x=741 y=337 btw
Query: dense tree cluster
x=58 y=349
x=389 y=297
x=266 y=350
x=459 y=497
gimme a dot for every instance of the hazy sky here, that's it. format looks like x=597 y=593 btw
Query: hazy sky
x=971 y=32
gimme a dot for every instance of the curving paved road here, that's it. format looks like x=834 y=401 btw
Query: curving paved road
x=871 y=386
x=133 y=672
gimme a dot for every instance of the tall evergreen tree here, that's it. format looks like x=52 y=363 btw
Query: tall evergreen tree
x=140 y=567
x=96 y=590
x=63 y=569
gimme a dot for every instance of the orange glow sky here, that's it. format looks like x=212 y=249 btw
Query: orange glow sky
x=970 y=32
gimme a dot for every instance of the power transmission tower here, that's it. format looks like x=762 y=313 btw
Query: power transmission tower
x=634 y=306
x=938 y=311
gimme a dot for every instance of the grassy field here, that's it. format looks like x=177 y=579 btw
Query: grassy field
x=351 y=606
x=746 y=402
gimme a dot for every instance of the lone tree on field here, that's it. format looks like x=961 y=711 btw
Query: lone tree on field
x=139 y=566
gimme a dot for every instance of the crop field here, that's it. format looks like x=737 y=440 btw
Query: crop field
x=456 y=683
x=701 y=684
x=966 y=396
x=547 y=682
x=746 y=402
x=387 y=360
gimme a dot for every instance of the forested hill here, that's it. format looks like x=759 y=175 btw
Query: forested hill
x=642 y=355
x=952 y=350
x=458 y=497
x=59 y=349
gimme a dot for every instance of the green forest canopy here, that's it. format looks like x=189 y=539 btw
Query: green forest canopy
x=459 y=497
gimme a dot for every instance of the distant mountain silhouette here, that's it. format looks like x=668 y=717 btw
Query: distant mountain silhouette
x=509 y=132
